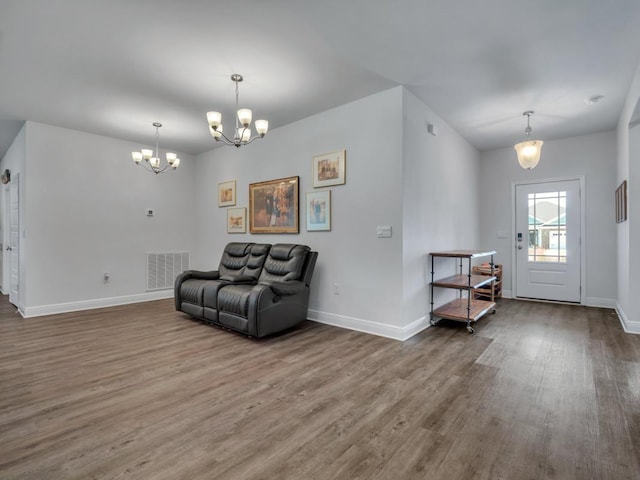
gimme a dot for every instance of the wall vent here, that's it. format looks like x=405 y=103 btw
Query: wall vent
x=163 y=268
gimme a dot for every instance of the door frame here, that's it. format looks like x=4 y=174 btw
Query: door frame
x=15 y=297
x=583 y=241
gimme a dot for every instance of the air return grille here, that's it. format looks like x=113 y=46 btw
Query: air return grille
x=163 y=268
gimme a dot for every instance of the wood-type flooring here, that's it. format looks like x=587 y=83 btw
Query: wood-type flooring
x=541 y=391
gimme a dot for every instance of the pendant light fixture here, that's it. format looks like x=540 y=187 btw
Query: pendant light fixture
x=152 y=160
x=242 y=131
x=528 y=151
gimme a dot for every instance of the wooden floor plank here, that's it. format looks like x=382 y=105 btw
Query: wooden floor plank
x=541 y=391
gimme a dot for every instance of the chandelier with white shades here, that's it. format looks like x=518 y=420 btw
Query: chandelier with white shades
x=152 y=159
x=242 y=130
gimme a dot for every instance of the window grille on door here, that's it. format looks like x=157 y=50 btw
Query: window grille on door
x=548 y=227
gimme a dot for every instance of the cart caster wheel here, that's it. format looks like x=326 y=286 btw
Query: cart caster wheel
x=470 y=330
x=493 y=312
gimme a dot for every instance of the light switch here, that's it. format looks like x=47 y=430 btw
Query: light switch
x=149 y=212
x=384 y=231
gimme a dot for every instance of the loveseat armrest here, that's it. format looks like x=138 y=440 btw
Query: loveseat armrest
x=238 y=279
x=283 y=289
x=186 y=275
x=209 y=275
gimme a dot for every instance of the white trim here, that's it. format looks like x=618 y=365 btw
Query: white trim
x=601 y=302
x=96 y=303
x=583 y=230
x=367 y=326
x=627 y=325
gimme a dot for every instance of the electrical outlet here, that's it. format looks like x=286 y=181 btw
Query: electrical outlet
x=106 y=278
x=149 y=212
x=336 y=289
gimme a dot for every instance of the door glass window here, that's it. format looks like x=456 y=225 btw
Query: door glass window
x=548 y=227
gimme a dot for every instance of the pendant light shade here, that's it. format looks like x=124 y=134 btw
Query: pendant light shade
x=529 y=151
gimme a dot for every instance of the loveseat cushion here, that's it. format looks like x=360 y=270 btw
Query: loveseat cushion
x=284 y=262
x=191 y=290
x=234 y=299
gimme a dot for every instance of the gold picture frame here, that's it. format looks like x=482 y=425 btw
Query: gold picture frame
x=237 y=220
x=274 y=206
x=227 y=194
x=329 y=169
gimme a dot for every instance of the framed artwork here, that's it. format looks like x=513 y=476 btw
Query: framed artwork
x=237 y=220
x=318 y=211
x=329 y=169
x=227 y=194
x=621 y=202
x=273 y=206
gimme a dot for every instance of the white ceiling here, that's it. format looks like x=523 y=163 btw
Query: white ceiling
x=114 y=67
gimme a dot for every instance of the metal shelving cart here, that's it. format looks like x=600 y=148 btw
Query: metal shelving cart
x=464 y=309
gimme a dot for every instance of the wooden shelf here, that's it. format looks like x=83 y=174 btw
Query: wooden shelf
x=485 y=291
x=463 y=253
x=457 y=310
x=462 y=281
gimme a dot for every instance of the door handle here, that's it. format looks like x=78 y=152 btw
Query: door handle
x=519 y=247
x=9 y=248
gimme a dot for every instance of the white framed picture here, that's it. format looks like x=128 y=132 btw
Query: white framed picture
x=318 y=211
x=237 y=220
x=329 y=169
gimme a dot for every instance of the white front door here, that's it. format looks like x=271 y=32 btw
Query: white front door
x=14 y=242
x=548 y=240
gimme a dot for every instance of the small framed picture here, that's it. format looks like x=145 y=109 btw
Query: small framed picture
x=227 y=194
x=318 y=211
x=273 y=206
x=329 y=169
x=237 y=220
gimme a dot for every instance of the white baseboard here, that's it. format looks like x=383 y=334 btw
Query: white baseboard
x=590 y=301
x=367 y=326
x=96 y=303
x=601 y=302
x=627 y=325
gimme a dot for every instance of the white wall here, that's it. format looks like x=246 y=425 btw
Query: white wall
x=397 y=174
x=440 y=202
x=367 y=269
x=591 y=156
x=14 y=160
x=85 y=216
x=628 y=233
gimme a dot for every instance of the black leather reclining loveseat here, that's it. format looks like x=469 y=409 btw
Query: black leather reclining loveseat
x=258 y=289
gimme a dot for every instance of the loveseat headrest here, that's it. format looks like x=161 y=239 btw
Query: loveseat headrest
x=283 y=251
x=256 y=260
x=234 y=258
x=284 y=262
x=238 y=249
x=260 y=249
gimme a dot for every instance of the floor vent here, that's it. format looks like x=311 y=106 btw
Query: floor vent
x=163 y=268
